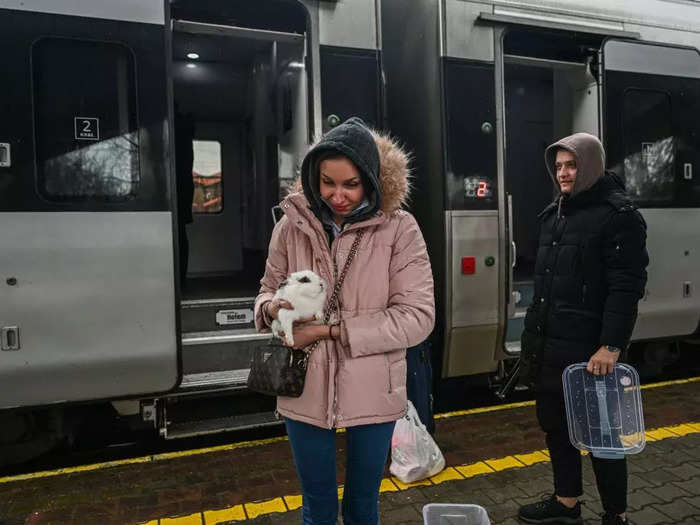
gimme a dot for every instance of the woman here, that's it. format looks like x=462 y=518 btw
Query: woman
x=356 y=378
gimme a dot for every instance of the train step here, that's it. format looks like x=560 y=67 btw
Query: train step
x=217 y=425
x=513 y=347
x=212 y=315
x=218 y=352
x=196 y=415
x=218 y=380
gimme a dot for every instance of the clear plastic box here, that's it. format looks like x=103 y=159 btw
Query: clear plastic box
x=453 y=514
x=604 y=412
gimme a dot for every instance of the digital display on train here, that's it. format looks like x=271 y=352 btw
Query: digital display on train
x=477 y=188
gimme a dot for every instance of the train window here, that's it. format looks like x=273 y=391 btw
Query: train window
x=206 y=172
x=649 y=146
x=86 y=123
x=340 y=68
x=471 y=136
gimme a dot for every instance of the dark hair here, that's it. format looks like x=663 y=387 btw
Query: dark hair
x=333 y=155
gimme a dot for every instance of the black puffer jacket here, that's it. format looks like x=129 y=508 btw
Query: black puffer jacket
x=590 y=272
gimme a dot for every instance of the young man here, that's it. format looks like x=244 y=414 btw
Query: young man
x=589 y=275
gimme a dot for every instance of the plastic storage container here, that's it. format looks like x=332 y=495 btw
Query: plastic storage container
x=604 y=412
x=452 y=514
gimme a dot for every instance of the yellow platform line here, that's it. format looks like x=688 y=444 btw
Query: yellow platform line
x=261 y=442
x=671 y=383
x=246 y=511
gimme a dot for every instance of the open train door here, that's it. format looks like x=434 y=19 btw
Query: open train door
x=87 y=306
x=651 y=100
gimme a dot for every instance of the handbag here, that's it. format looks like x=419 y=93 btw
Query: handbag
x=278 y=370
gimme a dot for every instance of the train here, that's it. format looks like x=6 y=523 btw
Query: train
x=119 y=291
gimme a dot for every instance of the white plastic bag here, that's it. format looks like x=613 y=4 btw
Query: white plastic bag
x=414 y=453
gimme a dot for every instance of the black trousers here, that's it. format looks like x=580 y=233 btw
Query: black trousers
x=610 y=474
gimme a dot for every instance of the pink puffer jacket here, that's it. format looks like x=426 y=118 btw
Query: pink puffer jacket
x=386 y=303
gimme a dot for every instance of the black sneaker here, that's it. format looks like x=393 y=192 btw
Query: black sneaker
x=612 y=519
x=550 y=510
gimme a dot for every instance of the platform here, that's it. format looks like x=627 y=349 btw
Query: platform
x=495 y=457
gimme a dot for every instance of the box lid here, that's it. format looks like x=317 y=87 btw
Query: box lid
x=604 y=412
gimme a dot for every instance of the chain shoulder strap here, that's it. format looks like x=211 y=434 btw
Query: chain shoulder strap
x=333 y=302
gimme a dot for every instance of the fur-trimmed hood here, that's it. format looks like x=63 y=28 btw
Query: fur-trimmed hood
x=394 y=174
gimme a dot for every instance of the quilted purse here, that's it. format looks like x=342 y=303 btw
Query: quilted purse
x=278 y=370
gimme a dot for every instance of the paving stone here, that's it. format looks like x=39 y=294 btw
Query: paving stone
x=405 y=497
x=651 y=462
x=540 y=470
x=678 y=509
x=692 y=486
x=691 y=449
x=685 y=471
x=590 y=492
x=666 y=493
x=638 y=499
x=439 y=494
x=635 y=468
x=535 y=487
x=503 y=511
x=443 y=493
x=660 y=477
x=635 y=481
x=484 y=482
x=506 y=493
x=694 y=501
x=590 y=513
x=648 y=516
x=679 y=455
x=407 y=514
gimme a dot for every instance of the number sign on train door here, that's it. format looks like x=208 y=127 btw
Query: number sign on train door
x=87 y=306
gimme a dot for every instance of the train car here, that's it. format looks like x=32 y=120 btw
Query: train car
x=478 y=89
x=143 y=145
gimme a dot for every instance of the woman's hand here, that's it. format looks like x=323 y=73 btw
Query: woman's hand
x=602 y=362
x=272 y=309
x=307 y=335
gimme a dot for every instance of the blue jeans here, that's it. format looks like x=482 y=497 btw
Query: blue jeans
x=313 y=449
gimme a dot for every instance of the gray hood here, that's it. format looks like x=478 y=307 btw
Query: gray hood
x=355 y=141
x=590 y=160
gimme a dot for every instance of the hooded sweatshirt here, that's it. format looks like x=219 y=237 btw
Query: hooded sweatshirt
x=590 y=160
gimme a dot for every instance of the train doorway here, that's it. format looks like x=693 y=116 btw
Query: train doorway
x=240 y=92
x=549 y=91
x=241 y=125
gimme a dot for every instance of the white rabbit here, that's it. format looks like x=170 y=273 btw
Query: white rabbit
x=306 y=292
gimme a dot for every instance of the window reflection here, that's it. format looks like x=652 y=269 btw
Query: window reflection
x=87 y=142
x=109 y=167
x=649 y=173
x=650 y=146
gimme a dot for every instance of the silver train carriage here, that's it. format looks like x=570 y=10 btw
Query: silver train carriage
x=478 y=91
x=96 y=97
x=94 y=311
